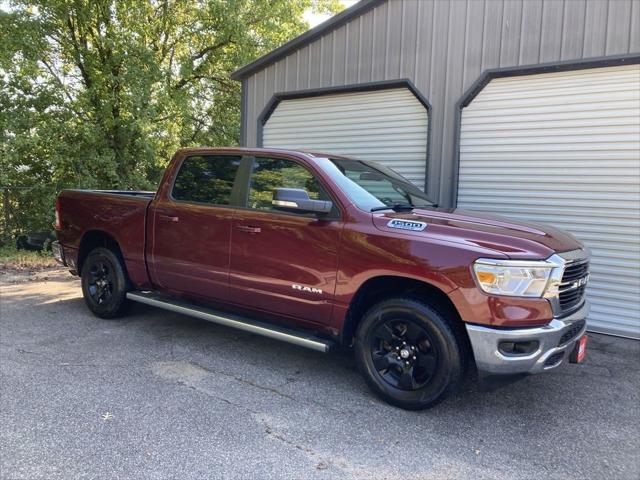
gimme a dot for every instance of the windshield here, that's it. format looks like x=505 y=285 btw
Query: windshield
x=371 y=185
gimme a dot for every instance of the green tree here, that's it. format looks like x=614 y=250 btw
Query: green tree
x=100 y=93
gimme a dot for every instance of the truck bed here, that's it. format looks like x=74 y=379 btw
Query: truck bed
x=119 y=213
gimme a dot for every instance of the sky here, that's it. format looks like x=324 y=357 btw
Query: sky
x=315 y=19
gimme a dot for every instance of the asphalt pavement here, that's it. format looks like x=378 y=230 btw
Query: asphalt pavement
x=161 y=395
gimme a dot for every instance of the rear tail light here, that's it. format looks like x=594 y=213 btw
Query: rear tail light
x=58 y=224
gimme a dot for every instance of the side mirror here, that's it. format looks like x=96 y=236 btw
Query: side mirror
x=373 y=176
x=297 y=200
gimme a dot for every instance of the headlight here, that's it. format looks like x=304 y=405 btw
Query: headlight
x=513 y=277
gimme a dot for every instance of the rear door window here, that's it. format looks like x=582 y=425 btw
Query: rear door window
x=206 y=179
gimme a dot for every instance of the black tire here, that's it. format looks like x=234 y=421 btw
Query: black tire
x=104 y=283
x=21 y=242
x=410 y=378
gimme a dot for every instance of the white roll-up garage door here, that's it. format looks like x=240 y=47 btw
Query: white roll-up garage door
x=389 y=126
x=564 y=148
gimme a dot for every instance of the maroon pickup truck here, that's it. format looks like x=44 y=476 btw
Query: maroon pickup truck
x=322 y=250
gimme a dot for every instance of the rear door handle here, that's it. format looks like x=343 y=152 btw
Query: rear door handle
x=168 y=218
x=248 y=229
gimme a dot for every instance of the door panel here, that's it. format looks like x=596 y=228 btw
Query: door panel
x=190 y=231
x=190 y=248
x=284 y=264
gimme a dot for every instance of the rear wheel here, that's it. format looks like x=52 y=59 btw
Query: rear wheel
x=104 y=283
x=408 y=353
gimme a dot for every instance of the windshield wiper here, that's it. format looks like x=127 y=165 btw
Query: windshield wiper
x=396 y=207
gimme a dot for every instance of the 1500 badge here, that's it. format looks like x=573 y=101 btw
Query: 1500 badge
x=407 y=225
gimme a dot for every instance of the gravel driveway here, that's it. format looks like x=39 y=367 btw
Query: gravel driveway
x=160 y=395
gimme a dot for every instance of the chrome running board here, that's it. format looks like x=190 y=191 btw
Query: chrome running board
x=229 y=320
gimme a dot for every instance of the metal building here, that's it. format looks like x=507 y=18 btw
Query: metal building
x=526 y=108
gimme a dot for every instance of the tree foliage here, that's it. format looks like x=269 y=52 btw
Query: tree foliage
x=100 y=93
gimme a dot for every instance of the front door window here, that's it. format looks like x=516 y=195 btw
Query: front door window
x=271 y=173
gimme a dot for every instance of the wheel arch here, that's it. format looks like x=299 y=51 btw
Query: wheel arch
x=381 y=287
x=93 y=239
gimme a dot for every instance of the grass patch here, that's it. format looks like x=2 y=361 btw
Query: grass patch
x=14 y=259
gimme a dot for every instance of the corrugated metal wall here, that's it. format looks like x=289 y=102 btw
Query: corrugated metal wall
x=442 y=47
x=564 y=148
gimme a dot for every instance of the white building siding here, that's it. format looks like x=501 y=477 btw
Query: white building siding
x=389 y=126
x=564 y=148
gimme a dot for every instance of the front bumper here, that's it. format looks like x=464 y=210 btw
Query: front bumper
x=555 y=342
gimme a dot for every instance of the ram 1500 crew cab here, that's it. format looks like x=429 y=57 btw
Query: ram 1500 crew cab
x=322 y=250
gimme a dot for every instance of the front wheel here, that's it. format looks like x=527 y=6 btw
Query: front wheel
x=408 y=353
x=104 y=283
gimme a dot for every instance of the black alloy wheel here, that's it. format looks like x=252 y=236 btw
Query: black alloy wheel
x=100 y=282
x=104 y=283
x=410 y=354
x=404 y=354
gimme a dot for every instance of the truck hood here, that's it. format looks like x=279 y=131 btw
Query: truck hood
x=515 y=239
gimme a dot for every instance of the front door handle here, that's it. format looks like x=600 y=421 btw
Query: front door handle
x=248 y=229
x=168 y=218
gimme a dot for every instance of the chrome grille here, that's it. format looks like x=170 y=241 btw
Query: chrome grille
x=573 y=285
